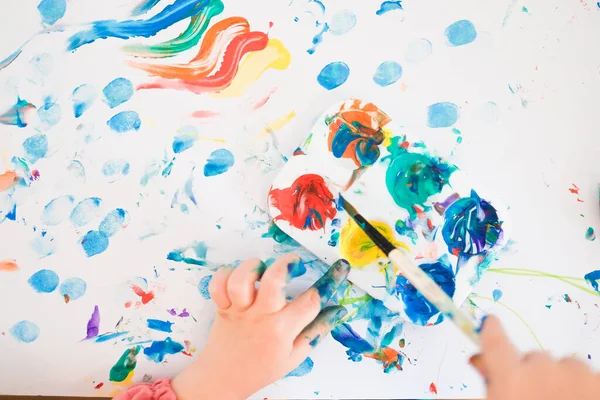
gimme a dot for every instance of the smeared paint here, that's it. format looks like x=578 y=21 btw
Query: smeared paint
x=43 y=244
x=145 y=297
x=418 y=50
x=8 y=266
x=460 y=33
x=72 y=289
x=295 y=269
x=405 y=229
x=592 y=278
x=11 y=57
x=590 y=234
x=200 y=250
x=94 y=243
x=159 y=349
x=496 y=295
x=25 y=331
x=125 y=365
x=36 y=147
x=109 y=336
x=115 y=169
x=442 y=115
x=44 y=281
x=158 y=325
x=433 y=388
x=358 y=249
x=17 y=115
x=471 y=226
x=49 y=113
x=388 y=6
x=318 y=38
x=203 y=286
x=85 y=211
x=342 y=22
x=333 y=75
x=83 y=97
x=330 y=283
x=143 y=7
x=303 y=369
x=125 y=121
x=387 y=73
x=277 y=124
x=7 y=180
x=52 y=10
x=115 y=221
x=118 y=92
x=219 y=162
x=306 y=204
x=57 y=210
x=93 y=325
x=187 y=136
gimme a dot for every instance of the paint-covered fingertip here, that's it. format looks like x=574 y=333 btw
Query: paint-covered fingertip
x=341 y=266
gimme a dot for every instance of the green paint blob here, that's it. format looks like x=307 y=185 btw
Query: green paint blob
x=121 y=370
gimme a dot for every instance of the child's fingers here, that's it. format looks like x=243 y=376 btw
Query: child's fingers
x=499 y=355
x=240 y=287
x=316 y=331
x=218 y=288
x=271 y=293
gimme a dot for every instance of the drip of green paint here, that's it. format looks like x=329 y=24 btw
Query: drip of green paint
x=278 y=235
x=121 y=370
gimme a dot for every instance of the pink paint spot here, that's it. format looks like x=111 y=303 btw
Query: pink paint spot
x=146 y=297
x=35 y=174
x=205 y=114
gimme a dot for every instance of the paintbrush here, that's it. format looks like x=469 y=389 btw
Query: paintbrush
x=416 y=276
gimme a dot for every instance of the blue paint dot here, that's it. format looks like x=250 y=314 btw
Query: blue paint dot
x=25 y=331
x=83 y=98
x=125 y=121
x=57 y=210
x=497 y=294
x=219 y=162
x=442 y=115
x=203 y=286
x=303 y=369
x=85 y=211
x=333 y=75
x=118 y=92
x=387 y=73
x=388 y=6
x=52 y=10
x=73 y=287
x=94 y=243
x=44 y=281
x=460 y=33
x=36 y=147
x=342 y=22
x=113 y=222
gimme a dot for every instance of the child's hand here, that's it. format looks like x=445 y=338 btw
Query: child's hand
x=258 y=337
x=533 y=376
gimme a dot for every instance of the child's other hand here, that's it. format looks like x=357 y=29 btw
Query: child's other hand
x=258 y=337
x=532 y=376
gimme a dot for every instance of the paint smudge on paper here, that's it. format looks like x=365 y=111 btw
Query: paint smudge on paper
x=8 y=266
x=115 y=169
x=57 y=210
x=109 y=336
x=342 y=22
x=199 y=250
x=186 y=138
x=303 y=369
x=306 y=204
x=52 y=10
x=418 y=50
x=44 y=281
x=72 y=289
x=158 y=325
x=25 y=331
x=592 y=278
x=93 y=325
x=85 y=211
x=94 y=243
x=17 y=115
x=333 y=75
x=460 y=33
x=433 y=388
x=387 y=73
x=115 y=221
x=358 y=249
x=183 y=314
x=43 y=244
x=36 y=147
x=118 y=92
x=143 y=7
x=49 y=113
x=125 y=121
x=497 y=294
x=388 y=6
x=219 y=162
x=83 y=97
x=277 y=124
x=203 y=286
x=318 y=38
x=145 y=297
x=590 y=234
x=159 y=349
x=125 y=365
x=442 y=115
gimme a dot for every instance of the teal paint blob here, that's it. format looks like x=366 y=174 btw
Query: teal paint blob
x=342 y=22
x=460 y=33
x=387 y=73
x=592 y=278
x=118 y=92
x=36 y=147
x=219 y=162
x=44 y=281
x=442 y=115
x=388 y=6
x=333 y=75
x=52 y=10
x=125 y=121
x=73 y=287
x=25 y=331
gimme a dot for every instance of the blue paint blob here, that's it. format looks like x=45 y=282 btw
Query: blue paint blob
x=85 y=211
x=94 y=243
x=115 y=169
x=83 y=98
x=442 y=115
x=219 y=162
x=25 y=331
x=158 y=325
x=11 y=214
x=159 y=349
x=203 y=286
x=49 y=114
x=592 y=278
x=356 y=345
x=387 y=73
x=303 y=369
x=114 y=221
x=125 y=121
x=118 y=92
x=73 y=287
x=296 y=269
x=333 y=75
x=44 y=281
x=318 y=38
x=460 y=33
x=388 y=6
x=342 y=22
x=57 y=210
x=497 y=294
x=418 y=50
x=52 y=10
x=182 y=142
x=36 y=147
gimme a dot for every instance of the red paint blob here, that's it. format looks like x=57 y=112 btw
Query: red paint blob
x=146 y=297
x=307 y=204
x=433 y=388
x=98 y=386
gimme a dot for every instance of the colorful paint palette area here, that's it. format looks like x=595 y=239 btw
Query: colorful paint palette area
x=418 y=200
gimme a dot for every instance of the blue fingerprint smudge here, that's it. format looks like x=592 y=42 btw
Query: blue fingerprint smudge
x=219 y=162
x=460 y=33
x=43 y=63
x=83 y=98
x=182 y=142
x=418 y=50
x=497 y=294
x=44 y=281
x=36 y=147
x=179 y=10
x=85 y=211
x=593 y=277
x=114 y=221
x=57 y=210
x=159 y=325
x=159 y=349
x=73 y=287
x=144 y=7
x=52 y=10
x=318 y=38
x=203 y=286
x=125 y=121
x=118 y=92
x=44 y=244
x=442 y=115
x=49 y=114
x=333 y=75
x=303 y=369
x=25 y=331
x=387 y=73
x=388 y=6
x=115 y=169
x=94 y=243
x=342 y=22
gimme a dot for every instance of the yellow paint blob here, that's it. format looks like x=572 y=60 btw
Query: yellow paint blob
x=358 y=249
x=274 y=56
x=277 y=124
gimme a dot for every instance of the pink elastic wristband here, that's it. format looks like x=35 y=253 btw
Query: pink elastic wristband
x=159 y=390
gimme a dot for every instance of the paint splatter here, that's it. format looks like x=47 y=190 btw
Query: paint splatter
x=17 y=115
x=159 y=349
x=333 y=75
x=83 y=97
x=25 y=331
x=433 y=388
x=125 y=365
x=36 y=147
x=145 y=297
x=590 y=234
x=85 y=211
x=94 y=243
x=125 y=121
x=388 y=6
x=52 y=10
x=44 y=281
x=592 y=278
x=203 y=286
x=295 y=269
x=118 y=92
x=93 y=325
x=57 y=210
x=219 y=162
x=115 y=169
x=158 y=325
x=471 y=226
x=460 y=33
x=306 y=204
x=303 y=369
x=418 y=50
x=8 y=266
x=72 y=289
x=442 y=115
x=387 y=73
x=497 y=294
x=115 y=221
x=342 y=22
